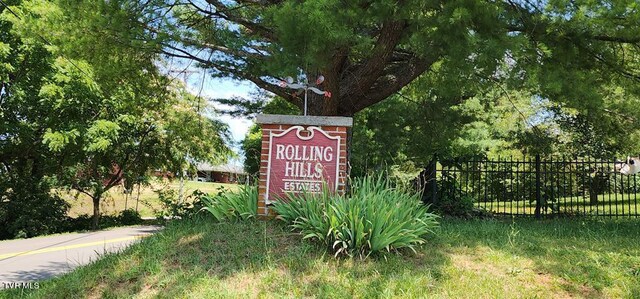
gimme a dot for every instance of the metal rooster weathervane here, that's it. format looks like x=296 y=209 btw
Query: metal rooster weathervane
x=288 y=83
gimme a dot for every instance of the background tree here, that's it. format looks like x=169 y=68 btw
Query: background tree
x=129 y=145
x=86 y=109
x=30 y=74
x=416 y=125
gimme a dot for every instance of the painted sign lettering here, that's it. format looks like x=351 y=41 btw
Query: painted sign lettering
x=302 y=160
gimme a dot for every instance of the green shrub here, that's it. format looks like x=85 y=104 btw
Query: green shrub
x=226 y=206
x=85 y=222
x=29 y=209
x=172 y=206
x=375 y=217
x=447 y=203
x=81 y=222
x=457 y=207
x=129 y=217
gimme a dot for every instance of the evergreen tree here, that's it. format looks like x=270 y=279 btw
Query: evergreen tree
x=565 y=50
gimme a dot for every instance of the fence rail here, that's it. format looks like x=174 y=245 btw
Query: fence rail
x=536 y=187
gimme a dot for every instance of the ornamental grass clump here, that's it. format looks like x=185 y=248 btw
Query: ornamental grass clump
x=375 y=217
x=231 y=206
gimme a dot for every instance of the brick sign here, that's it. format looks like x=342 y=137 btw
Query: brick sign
x=301 y=160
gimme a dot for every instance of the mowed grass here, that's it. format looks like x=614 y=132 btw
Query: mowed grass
x=608 y=204
x=466 y=259
x=116 y=200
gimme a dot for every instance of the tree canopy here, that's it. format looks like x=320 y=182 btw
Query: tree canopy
x=88 y=109
x=368 y=50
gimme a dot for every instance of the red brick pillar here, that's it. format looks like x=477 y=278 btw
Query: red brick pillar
x=301 y=153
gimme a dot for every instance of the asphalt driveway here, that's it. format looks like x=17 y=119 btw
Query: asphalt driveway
x=30 y=260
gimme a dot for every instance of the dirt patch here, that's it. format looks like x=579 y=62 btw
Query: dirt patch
x=147 y=291
x=186 y=240
x=243 y=284
x=473 y=264
x=96 y=291
x=517 y=275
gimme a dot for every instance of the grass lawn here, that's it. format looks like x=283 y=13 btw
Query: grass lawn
x=115 y=200
x=608 y=204
x=569 y=258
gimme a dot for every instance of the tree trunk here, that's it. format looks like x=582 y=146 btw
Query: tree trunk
x=594 y=190
x=320 y=104
x=181 y=189
x=96 y=210
x=426 y=182
x=593 y=198
x=138 y=197
x=597 y=185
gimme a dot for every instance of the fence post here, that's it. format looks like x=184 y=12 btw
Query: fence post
x=538 y=187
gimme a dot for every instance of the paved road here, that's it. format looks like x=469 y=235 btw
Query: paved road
x=29 y=260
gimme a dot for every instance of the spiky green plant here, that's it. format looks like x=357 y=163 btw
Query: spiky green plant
x=230 y=206
x=375 y=217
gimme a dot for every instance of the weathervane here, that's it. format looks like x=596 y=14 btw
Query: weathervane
x=288 y=83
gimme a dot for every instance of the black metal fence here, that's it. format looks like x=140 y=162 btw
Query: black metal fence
x=536 y=187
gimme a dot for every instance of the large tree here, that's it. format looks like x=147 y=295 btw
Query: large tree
x=86 y=108
x=27 y=68
x=369 y=50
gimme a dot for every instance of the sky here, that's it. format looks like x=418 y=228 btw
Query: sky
x=202 y=84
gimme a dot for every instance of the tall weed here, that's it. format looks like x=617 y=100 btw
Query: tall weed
x=230 y=206
x=374 y=217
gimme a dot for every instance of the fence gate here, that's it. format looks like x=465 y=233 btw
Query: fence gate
x=536 y=187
